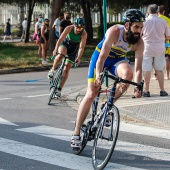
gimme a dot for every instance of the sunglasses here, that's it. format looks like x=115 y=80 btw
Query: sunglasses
x=79 y=28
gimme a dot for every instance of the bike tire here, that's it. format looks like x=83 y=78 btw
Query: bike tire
x=101 y=152
x=55 y=82
x=84 y=133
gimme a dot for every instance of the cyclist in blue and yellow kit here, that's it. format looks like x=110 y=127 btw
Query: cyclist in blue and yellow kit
x=71 y=42
x=111 y=52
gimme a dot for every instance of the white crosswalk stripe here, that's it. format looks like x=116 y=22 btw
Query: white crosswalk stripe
x=67 y=160
x=5 y=122
x=131 y=148
x=53 y=157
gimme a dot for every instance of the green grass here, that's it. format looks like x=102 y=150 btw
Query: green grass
x=19 y=55
x=16 y=56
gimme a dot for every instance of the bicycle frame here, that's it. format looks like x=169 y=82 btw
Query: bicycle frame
x=60 y=69
x=110 y=102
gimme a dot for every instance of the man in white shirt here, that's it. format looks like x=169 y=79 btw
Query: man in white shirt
x=56 y=24
x=24 y=27
x=155 y=31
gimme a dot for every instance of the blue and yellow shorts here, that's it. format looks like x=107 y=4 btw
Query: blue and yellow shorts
x=111 y=63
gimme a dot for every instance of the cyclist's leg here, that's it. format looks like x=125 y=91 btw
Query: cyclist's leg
x=121 y=68
x=67 y=67
x=62 y=50
x=72 y=53
x=91 y=93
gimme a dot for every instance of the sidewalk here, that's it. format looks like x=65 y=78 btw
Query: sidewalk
x=154 y=110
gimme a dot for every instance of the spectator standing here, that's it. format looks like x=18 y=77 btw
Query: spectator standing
x=56 y=25
x=38 y=26
x=155 y=31
x=65 y=22
x=44 y=40
x=7 y=30
x=24 y=28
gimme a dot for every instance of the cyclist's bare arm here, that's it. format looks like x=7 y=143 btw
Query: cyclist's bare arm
x=62 y=37
x=112 y=35
x=138 y=48
x=81 y=46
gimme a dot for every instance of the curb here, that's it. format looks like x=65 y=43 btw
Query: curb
x=36 y=68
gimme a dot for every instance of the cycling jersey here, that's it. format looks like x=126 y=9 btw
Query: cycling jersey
x=72 y=42
x=117 y=54
x=119 y=49
x=73 y=37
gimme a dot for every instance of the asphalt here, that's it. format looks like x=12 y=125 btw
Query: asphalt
x=151 y=111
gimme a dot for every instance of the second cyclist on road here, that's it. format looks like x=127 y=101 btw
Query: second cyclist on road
x=71 y=42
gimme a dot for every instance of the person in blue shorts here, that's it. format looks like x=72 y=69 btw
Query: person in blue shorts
x=111 y=53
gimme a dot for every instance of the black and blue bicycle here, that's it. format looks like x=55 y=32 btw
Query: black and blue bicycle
x=104 y=135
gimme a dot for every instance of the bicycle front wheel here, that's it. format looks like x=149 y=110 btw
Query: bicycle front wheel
x=105 y=139
x=55 y=82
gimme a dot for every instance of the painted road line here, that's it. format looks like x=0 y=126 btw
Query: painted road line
x=5 y=122
x=130 y=148
x=40 y=95
x=5 y=98
x=144 y=130
x=52 y=157
x=34 y=80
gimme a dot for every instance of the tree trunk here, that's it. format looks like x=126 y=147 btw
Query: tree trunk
x=31 y=5
x=21 y=16
x=99 y=3
x=87 y=16
x=89 y=20
x=55 y=7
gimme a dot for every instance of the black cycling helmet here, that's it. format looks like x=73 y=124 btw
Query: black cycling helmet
x=79 y=22
x=133 y=15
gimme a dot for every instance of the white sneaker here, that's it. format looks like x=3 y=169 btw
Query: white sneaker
x=51 y=73
x=76 y=142
x=44 y=62
x=57 y=93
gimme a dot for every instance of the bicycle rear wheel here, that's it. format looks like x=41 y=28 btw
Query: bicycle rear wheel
x=55 y=82
x=84 y=133
x=105 y=139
